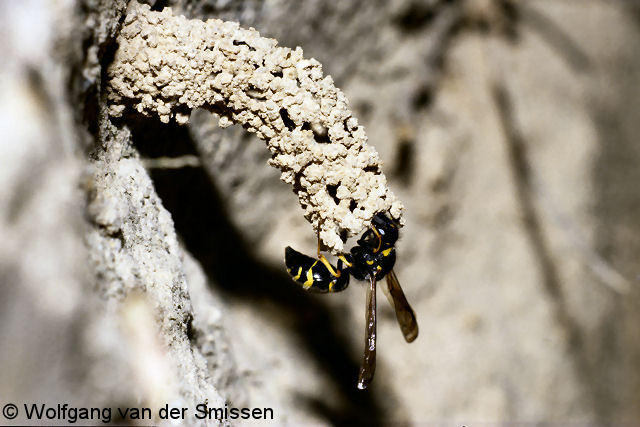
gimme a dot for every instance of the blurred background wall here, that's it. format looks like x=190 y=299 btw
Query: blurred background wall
x=508 y=128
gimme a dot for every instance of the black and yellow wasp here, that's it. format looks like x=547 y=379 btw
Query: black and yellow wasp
x=371 y=259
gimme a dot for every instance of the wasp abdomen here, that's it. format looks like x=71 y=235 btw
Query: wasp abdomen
x=313 y=274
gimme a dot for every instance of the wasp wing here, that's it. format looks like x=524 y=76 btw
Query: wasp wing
x=404 y=313
x=369 y=361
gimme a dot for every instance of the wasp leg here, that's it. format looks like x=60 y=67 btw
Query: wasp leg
x=325 y=261
x=340 y=279
x=367 y=240
x=375 y=231
x=335 y=272
x=368 y=367
x=345 y=261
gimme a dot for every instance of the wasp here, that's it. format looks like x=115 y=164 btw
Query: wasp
x=372 y=259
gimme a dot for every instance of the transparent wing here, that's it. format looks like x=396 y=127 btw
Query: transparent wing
x=369 y=361
x=404 y=313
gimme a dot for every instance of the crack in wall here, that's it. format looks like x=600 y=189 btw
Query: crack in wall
x=521 y=171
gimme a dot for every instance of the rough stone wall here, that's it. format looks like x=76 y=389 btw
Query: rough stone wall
x=508 y=129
